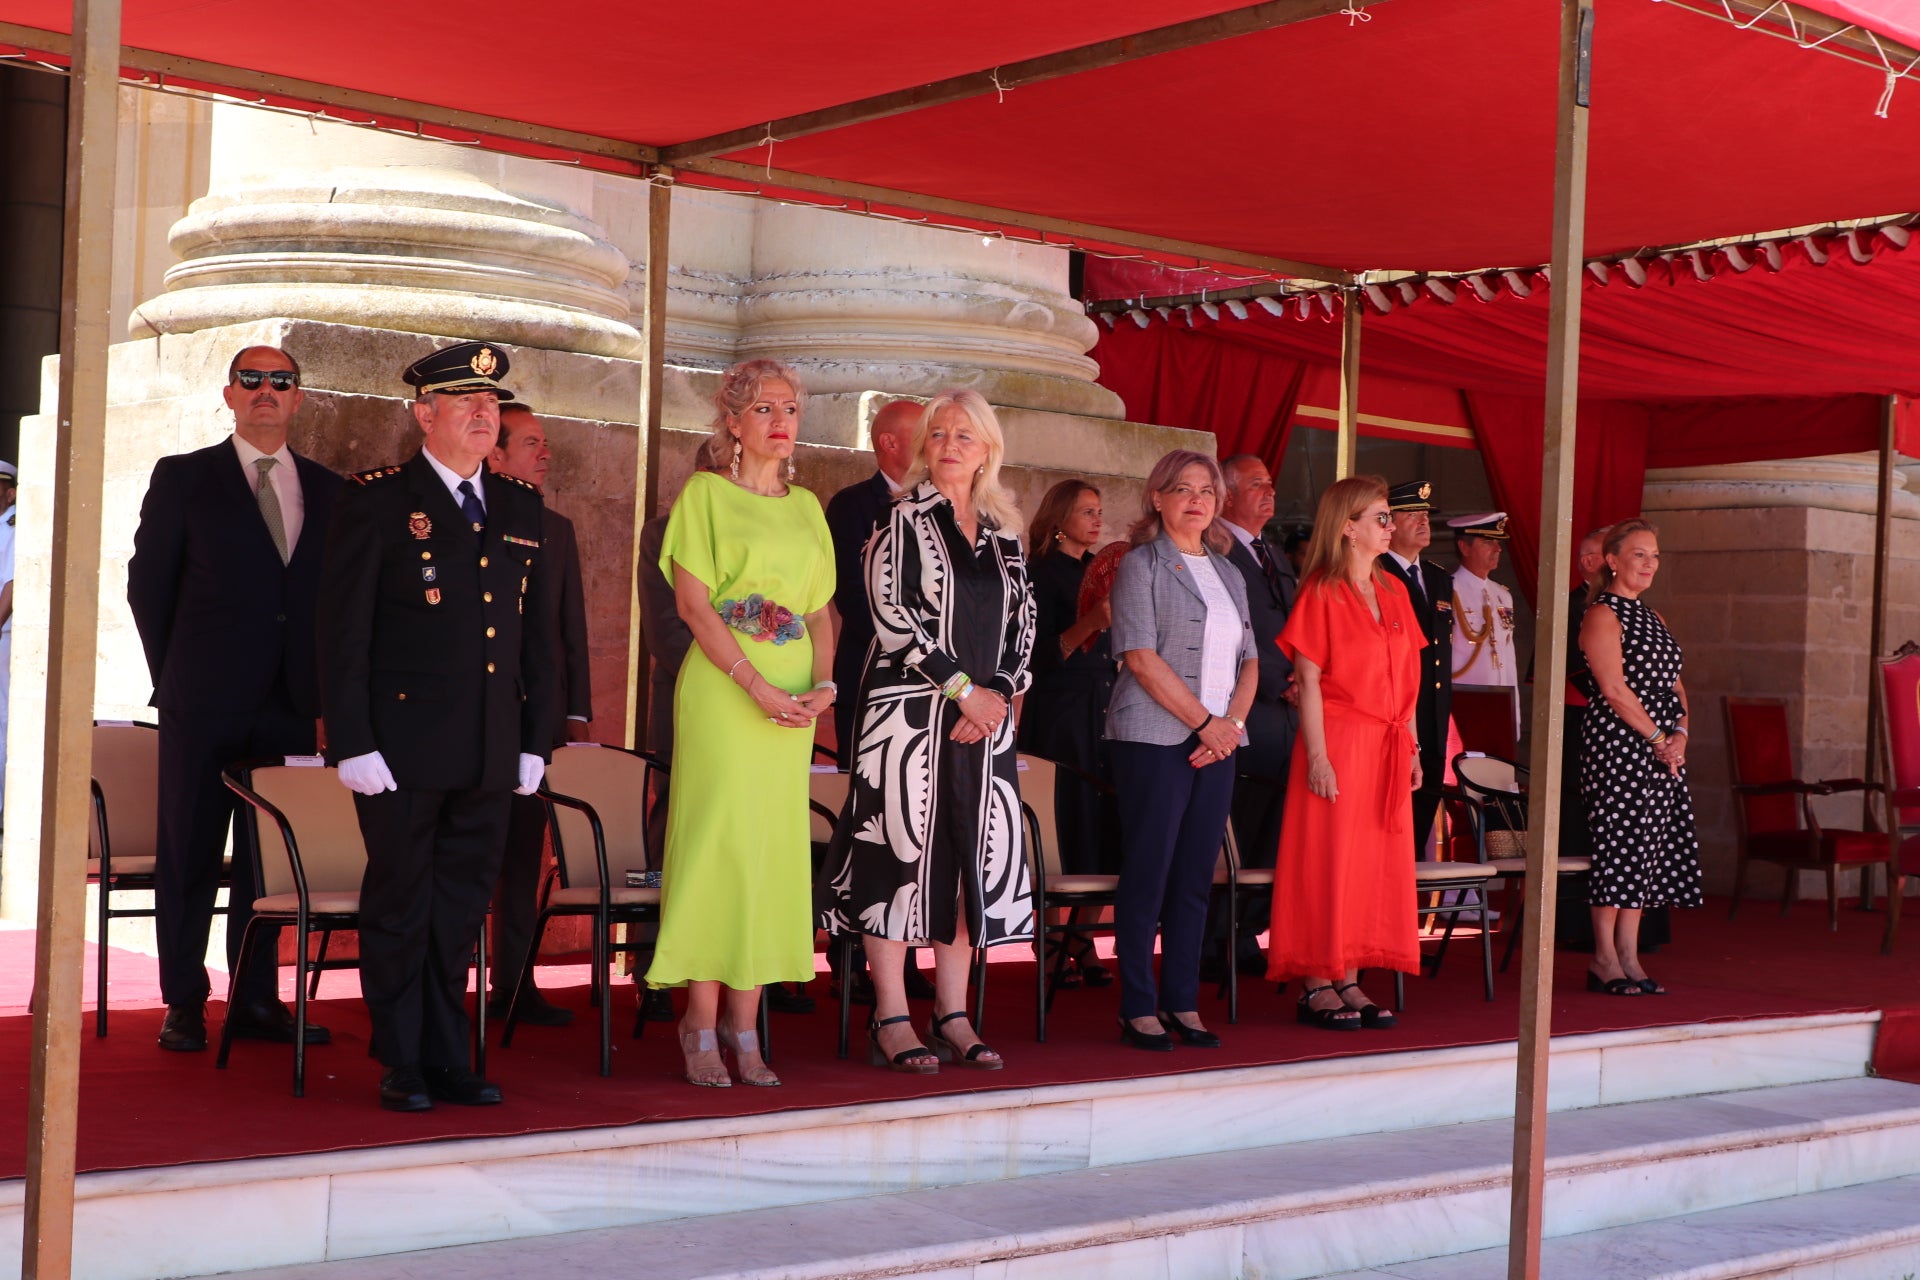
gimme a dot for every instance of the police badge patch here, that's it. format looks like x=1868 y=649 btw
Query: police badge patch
x=429 y=573
x=419 y=526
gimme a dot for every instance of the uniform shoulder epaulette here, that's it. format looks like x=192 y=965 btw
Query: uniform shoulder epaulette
x=378 y=473
x=501 y=475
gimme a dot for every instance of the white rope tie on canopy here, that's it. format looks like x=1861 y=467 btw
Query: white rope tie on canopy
x=1783 y=13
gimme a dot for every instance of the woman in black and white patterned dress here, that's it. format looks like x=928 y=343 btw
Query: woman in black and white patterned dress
x=1633 y=764
x=929 y=848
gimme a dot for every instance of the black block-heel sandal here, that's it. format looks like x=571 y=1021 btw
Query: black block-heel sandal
x=916 y=1061
x=946 y=1050
x=1341 y=1019
x=1372 y=1016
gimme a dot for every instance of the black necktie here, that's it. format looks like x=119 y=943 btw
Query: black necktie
x=470 y=506
x=1266 y=567
x=1419 y=587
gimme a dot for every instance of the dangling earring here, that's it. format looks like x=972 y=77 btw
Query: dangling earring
x=789 y=466
x=734 y=470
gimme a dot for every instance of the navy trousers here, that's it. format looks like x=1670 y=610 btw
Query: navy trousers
x=1172 y=820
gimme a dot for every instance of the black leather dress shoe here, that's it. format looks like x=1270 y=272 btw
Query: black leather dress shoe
x=461 y=1086
x=405 y=1089
x=535 y=1010
x=185 y=1028
x=271 y=1020
x=789 y=997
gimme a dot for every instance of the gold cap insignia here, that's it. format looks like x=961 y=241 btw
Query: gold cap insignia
x=484 y=363
x=1426 y=492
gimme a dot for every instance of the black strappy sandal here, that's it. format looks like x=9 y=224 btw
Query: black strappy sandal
x=1341 y=1019
x=1372 y=1016
x=905 y=1060
x=947 y=1051
x=1613 y=986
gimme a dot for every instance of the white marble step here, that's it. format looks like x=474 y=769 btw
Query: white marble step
x=1299 y=1210
x=1869 y=1232
x=140 y=1224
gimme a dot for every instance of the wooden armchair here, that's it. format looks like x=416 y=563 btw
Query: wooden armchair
x=1777 y=822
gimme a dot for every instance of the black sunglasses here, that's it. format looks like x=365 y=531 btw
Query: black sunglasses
x=282 y=379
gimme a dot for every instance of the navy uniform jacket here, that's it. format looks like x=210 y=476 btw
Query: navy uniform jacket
x=1272 y=723
x=437 y=645
x=1435 y=704
x=220 y=617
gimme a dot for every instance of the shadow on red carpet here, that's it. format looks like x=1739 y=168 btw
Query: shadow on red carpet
x=142 y=1107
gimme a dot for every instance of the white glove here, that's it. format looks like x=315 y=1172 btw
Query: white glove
x=368 y=774
x=532 y=769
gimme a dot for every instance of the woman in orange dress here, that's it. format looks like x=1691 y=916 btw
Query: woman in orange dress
x=1343 y=884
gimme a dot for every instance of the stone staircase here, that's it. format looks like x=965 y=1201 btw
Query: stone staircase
x=1747 y=1149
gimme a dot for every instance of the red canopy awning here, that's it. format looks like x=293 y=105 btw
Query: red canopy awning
x=1739 y=367
x=1415 y=133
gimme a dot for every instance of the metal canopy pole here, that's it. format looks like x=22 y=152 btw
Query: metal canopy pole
x=1550 y=644
x=646 y=481
x=53 y=1097
x=1877 y=632
x=1346 y=449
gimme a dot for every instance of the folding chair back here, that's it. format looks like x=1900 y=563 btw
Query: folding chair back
x=614 y=782
x=1037 y=794
x=126 y=769
x=827 y=796
x=1498 y=801
x=326 y=830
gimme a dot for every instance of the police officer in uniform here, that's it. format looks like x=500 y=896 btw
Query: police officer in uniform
x=1431 y=589
x=438 y=672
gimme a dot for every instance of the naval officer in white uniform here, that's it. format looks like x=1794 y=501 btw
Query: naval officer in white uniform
x=1482 y=608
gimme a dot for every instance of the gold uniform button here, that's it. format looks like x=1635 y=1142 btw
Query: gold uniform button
x=487 y=596
x=483 y=562
x=529 y=563
x=403 y=697
x=426 y=555
x=489 y=668
x=489 y=633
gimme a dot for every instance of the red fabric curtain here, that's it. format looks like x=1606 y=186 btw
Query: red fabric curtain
x=1177 y=378
x=1610 y=468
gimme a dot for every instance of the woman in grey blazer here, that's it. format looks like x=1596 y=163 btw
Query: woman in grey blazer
x=1188 y=674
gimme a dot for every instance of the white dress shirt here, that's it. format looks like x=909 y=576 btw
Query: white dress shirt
x=453 y=480
x=286 y=486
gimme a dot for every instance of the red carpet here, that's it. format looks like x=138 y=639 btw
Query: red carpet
x=142 y=1107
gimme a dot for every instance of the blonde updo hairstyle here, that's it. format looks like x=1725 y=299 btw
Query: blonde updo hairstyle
x=740 y=386
x=1329 y=554
x=990 y=497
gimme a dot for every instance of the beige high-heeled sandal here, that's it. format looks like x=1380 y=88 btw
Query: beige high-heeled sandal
x=742 y=1042
x=702 y=1042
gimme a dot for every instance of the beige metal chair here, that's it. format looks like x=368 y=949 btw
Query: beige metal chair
x=310 y=862
x=1052 y=888
x=597 y=804
x=1490 y=797
x=1229 y=876
x=123 y=839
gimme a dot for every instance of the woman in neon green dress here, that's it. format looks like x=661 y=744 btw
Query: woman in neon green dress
x=751 y=564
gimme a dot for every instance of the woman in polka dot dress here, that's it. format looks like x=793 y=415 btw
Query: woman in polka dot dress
x=1633 y=764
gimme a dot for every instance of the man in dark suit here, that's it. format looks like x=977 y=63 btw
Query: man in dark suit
x=1432 y=591
x=1259 y=791
x=222 y=584
x=441 y=685
x=523 y=454
x=852 y=516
